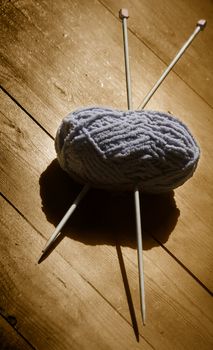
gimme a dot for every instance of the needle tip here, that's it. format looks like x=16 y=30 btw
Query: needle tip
x=143 y=317
x=42 y=255
x=123 y=13
x=201 y=23
x=40 y=258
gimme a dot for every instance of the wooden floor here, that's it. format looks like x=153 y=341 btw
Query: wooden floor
x=55 y=57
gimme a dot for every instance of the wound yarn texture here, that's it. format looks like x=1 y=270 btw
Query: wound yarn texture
x=116 y=149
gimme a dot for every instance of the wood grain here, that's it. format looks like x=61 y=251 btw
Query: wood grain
x=51 y=60
x=65 y=74
x=86 y=71
x=165 y=295
x=163 y=26
x=55 y=57
x=54 y=306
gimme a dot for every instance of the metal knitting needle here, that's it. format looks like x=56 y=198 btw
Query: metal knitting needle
x=200 y=26
x=64 y=219
x=123 y=14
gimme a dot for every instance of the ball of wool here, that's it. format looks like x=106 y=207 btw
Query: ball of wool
x=120 y=150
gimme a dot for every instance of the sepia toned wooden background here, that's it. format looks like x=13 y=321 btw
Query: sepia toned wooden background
x=55 y=57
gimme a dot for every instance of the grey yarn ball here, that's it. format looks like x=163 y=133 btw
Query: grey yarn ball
x=116 y=149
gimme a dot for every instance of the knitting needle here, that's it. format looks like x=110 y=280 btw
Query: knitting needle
x=123 y=14
x=61 y=224
x=200 y=26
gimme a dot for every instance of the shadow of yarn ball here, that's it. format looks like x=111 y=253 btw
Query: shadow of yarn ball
x=105 y=217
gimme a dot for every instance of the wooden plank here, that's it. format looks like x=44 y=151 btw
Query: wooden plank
x=80 y=63
x=58 y=49
x=183 y=102
x=54 y=306
x=51 y=78
x=164 y=26
x=91 y=251
x=10 y=339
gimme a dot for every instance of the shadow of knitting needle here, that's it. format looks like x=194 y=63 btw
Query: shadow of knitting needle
x=123 y=14
x=61 y=224
x=200 y=26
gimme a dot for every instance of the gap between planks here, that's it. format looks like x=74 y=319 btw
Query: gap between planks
x=10 y=337
x=155 y=52
x=141 y=336
x=40 y=233
x=28 y=116
x=25 y=111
